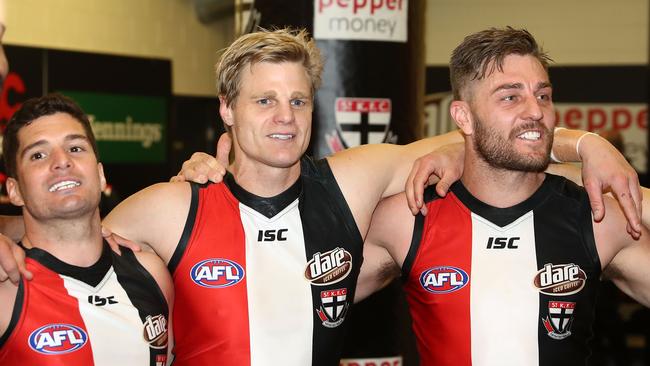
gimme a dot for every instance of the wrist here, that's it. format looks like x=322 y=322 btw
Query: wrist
x=580 y=143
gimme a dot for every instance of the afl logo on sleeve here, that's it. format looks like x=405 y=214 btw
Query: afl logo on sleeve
x=216 y=273
x=329 y=267
x=560 y=279
x=443 y=279
x=56 y=339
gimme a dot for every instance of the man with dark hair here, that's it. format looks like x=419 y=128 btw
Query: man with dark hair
x=86 y=304
x=503 y=269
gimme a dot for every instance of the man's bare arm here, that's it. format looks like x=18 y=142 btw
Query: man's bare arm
x=154 y=217
x=368 y=173
x=386 y=245
x=626 y=260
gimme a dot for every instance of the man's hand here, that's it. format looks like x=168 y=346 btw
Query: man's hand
x=12 y=261
x=605 y=169
x=202 y=167
x=115 y=241
x=443 y=166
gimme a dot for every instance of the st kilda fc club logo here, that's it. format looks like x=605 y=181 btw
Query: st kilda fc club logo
x=359 y=121
x=333 y=307
x=559 y=319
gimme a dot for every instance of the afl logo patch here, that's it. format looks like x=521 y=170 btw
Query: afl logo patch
x=217 y=273
x=56 y=339
x=560 y=279
x=443 y=279
x=330 y=267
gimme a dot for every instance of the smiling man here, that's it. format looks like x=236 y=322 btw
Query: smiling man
x=86 y=305
x=504 y=269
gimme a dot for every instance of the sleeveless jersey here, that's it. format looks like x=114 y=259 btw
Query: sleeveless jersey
x=266 y=281
x=111 y=313
x=504 y=286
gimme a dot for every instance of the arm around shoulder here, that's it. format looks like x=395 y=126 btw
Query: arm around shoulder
x=154 y=216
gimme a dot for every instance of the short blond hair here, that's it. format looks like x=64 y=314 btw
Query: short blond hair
x=275 y=46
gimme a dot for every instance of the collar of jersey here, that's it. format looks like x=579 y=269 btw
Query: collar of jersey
x=92 y=275
x=501 y=216
x=267 y=206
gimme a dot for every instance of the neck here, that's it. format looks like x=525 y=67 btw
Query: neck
x=263 y=180
x=74 y=241
x=498 y=187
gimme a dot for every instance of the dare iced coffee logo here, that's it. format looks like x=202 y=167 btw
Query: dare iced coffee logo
x=372 y=20
x=560 y=279
x=329 y=267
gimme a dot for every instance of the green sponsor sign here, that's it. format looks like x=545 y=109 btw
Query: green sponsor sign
x=128 y=128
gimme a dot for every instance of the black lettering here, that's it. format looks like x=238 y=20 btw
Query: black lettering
x=501 y=243
x=272 y=235
x=511 y=243
x=101 y=301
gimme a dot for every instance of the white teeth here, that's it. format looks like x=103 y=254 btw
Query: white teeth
x=530 y=135
x=66 y=184
x=280 y=136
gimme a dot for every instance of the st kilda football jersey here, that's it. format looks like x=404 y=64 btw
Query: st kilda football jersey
x=266 y=281
x=504 y=286
x=111 y=313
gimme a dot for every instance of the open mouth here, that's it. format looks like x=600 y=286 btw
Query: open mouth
x=282 y=136
x=66 y=184
x=530 y=135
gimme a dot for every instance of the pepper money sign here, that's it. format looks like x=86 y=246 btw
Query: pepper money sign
x=369 y=20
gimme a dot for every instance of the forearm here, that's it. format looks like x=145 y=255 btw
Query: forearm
x=387 y=166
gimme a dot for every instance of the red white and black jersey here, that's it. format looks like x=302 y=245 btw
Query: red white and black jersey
x=111 y=313
x=266 y=281
x=504 y=286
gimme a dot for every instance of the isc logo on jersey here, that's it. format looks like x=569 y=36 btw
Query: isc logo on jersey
x=443 y=279
x=54 y=339
x=216 y=273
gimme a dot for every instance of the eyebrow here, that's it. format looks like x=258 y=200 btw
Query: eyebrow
x=301 y=95
x=38 y=143
x=264 y=94
x=540 y=85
